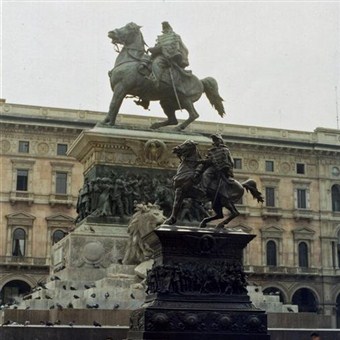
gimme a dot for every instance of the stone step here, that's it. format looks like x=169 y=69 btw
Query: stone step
x=116 y=282
x=121 y=269
x=88 y=274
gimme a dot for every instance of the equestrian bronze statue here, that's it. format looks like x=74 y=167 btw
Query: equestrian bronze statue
x=209 y=179
x=158 y=74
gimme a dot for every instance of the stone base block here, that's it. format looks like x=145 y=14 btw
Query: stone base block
x=183 y=324
x=196 y=289
x=196 y=336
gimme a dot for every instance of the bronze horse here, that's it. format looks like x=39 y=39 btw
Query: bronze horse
x=130 y=77
x=220 y=193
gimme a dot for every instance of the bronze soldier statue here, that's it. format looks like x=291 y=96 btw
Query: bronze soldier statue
x=218 y=163
x=175 y=88
x=169 y=51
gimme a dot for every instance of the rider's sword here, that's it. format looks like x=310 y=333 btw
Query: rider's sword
x=174 y=87
x=217 y=190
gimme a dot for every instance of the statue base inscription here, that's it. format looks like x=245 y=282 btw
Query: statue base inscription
x=197 y=288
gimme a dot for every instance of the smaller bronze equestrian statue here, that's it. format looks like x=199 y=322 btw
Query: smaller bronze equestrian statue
x=160 y=76
x=209 y=179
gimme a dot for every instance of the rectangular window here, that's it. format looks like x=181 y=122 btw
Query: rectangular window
x=300 y=168
x=303 y=255
x=271 y=253
x=61 y=183
x=24 y=147
x=270 y=166
x=61 y=149
x=237 y=163
x=22 y=180
x=301 y=199
x=270 y=197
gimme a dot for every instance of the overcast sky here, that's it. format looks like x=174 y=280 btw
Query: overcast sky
x=276 y=63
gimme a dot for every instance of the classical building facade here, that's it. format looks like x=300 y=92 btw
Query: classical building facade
x=39 y=187
x=296 y=253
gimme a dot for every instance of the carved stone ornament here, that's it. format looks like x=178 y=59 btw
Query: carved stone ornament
x=253 y=165
x=5 y=146
x=154 y=150
x=93 y=252
x=285 y=167
x=43 y=148
x=200 y=321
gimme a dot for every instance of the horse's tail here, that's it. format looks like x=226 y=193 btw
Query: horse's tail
x=211 y=91
x=250 y=185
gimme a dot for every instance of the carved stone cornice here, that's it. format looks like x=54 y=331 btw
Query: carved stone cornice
x=303 y=214
x=29 y=129
x=21 y=196
x=271 y=212
x=55 y=199
x=119 y=146
x=62 y=165
x=20 y=219
x=59 y=221
x=272 y=232
x=303 y=233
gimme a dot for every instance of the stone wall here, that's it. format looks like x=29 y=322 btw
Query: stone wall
x=120 y=333
x=62 y=333
x=299 y=320
x=80 y=317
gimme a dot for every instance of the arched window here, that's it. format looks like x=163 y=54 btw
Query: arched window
x=57 y=236
x=19 y=242
x=303 y=254
x=271 y=253
x=336 y=197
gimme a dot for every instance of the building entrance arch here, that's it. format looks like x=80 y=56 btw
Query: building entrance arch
x=13 y=289
x=306 y=299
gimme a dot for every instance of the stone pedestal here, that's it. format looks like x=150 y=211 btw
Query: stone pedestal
x=197 y=288
x=94 y=245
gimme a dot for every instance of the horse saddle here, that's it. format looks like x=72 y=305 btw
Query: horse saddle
x=171 y=76
x=145 y=66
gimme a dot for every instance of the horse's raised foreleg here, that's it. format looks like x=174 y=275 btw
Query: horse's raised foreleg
x=176 y=207
x=116 y=102
x=193 y=114
x=218 y=214
x=169 y=110
x=233 y=213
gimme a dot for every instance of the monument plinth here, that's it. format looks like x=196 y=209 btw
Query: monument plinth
x=197 y=288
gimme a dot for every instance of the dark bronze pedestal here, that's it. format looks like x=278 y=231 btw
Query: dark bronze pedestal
x=197 y=289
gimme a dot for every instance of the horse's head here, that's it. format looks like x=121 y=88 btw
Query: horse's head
x=125 y=34
x=186 y=149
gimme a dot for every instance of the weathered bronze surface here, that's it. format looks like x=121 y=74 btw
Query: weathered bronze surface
x=112 y=194
x=209 y=179
x=196 y=288
x=160 y=76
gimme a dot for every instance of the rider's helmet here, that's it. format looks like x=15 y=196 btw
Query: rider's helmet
x=166 y=27
x=217 y=137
